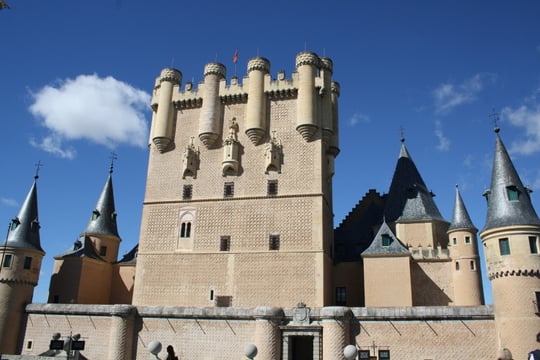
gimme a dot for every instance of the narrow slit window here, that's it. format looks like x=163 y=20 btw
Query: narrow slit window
x=533 y=244
x=228 y=189
x=272 y=187
x=472 y=265
x=27 y=262
x=187 y=192
x=504 y=246
x=7 y=261
x=467 y=239
x=274 y=242
x=457 y=266
x=225 y=243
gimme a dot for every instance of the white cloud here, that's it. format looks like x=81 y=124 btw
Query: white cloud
x=444 y=143
x=105 y=111
x=359 y=118
x=526 y=117
x=448 y=96
x=8 y=202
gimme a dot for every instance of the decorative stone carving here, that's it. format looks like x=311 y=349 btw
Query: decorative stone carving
x=190 y=160
x=231 y=163
x=301 y=315
x=273 y=155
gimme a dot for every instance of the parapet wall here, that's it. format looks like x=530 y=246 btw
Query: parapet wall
x=222 y=333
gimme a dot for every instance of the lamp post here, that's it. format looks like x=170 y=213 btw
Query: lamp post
x=155 y=347
x=250 y=351
x=350 y=352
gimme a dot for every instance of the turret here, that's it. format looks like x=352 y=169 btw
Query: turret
x=211 y=112
x=464 y=253
x=510 y=239
x=19 y=270
x=257 y=69
x=325 y=94
x=307 y=64
x=334 y=141
x=162 y=124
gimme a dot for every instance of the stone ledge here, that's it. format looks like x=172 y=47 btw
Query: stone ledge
x=484 y=312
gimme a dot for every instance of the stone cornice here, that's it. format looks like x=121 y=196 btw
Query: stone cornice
x=514 y=272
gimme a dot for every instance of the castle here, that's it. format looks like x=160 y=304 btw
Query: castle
x=237 y=244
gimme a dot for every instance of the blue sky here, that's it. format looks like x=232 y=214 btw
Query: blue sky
x=75 y=79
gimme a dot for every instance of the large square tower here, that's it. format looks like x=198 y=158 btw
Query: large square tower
x=238 y=203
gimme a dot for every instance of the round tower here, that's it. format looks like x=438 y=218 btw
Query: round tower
x=463 y=247
x=210 y=120
x=511 y=239
x=162 y=124
x=257 y=69
x=20 y=264
x=307 y=64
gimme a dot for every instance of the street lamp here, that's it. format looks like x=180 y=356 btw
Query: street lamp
x=155 y=347
x=250 y=351
x=350 y=352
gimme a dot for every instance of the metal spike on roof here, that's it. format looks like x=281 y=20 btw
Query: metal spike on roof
x=509 y=202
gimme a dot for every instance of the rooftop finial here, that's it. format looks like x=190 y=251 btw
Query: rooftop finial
x=495 y=117
x=112 y=157
x=37 y=165
x=402 y=132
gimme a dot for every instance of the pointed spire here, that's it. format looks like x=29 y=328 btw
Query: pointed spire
x=509 y=202
x=103 y=220
x=460 y=218
x=24 y=229
x=408 y=196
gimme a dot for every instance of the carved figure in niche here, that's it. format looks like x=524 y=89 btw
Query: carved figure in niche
x=233 y=130
x=190 y=160
x=273 y=154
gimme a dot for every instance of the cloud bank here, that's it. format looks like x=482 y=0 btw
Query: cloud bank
x=448 y=95
x=526 y=116
x=104 y=111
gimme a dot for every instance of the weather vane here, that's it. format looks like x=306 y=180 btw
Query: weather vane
x=112 y=157
x=38 y=165
x=402 y=132
x=495 y=117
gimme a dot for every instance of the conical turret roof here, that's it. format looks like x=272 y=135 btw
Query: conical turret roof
x=460 y=217
x=103 y=219
x=24 y=229
x=509 y=202
x=408 y=198
x=392 y=246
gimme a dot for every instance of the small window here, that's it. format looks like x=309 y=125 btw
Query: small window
x=454 y=241
x=273 y=242
x=211 y=297
x=341 y=296
x=7 y=260
x=29 y=344
x=103 y=251
x=512 y=192
x=272 y=188
x=386 y=240
x=363 y=354
x=457 y=266
x=533 y=244
x=228 y=189
x=384 y=354
x=185 y=229
x=27 y=262
x=472 y=265
x=95 y=214
x=504 y=246
x=14 y=223
x=225 y=243
x=537 y=293
x=34 y=226
x=187 y=192
x=467 y=239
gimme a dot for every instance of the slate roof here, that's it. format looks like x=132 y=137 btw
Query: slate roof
x=103 y=219
x=460 y=217
x=394 y=248
x=81 y=248
x=408 y=197
x=502 y=211
x=130 y=257
x=24 y=229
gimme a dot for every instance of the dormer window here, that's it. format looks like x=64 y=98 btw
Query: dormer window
x=34 y=226
x=512 y=192
x=14 y=223
x=386 y=240
x=487 y=194
x=95 y=214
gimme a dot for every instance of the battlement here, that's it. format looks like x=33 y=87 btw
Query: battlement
x=430 y=254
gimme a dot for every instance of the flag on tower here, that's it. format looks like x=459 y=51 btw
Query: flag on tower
x=235 y=57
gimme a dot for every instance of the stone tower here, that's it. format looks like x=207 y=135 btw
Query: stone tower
x=464 y=253
x=84 y=273
x=19 y=271
x=510 y=238
x=238 y=205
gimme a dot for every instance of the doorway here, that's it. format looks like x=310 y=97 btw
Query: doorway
x=301 y=348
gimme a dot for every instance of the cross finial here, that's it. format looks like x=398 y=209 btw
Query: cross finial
x=112 y=157
x=495 y=117
x=37 y=165
x=402 y=132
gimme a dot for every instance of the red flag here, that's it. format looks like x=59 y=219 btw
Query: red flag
x=235 y=56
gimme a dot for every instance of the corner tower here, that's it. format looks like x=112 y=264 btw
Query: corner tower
x=510 y=238
x=464 y=253
x=19 y=270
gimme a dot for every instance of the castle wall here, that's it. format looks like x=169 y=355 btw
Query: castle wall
x=387 y=281
x=214 y=333
x=432 y=283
